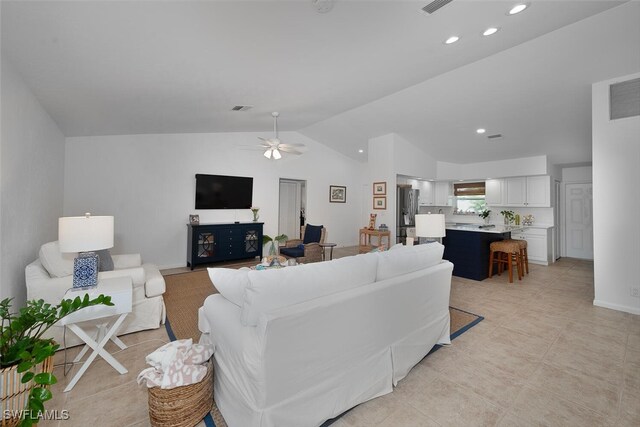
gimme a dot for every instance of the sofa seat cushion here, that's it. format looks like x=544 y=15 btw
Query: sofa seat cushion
x=312 y=234
x=296 y=252
x=56 y=263
x=272 y=289
x=408 y=259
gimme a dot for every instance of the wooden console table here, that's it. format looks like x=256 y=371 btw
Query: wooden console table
x=365 y=239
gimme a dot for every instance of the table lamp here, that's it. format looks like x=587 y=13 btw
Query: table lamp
x=85 y=234
x=430 y=226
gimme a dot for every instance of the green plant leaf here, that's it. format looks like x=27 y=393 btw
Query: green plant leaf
x=24 y=366
x=40 y=393
x=45 y=378
x=27 y=377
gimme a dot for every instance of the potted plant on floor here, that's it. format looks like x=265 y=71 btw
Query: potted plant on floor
x=26 y=358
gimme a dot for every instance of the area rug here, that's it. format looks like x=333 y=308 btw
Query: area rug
x=186 y=293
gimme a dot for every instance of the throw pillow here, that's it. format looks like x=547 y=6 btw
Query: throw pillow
x=106 y=262
x=56 y=263
x=230 y=283
x=312 y=234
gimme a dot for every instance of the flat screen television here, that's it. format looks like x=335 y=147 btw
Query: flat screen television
x=223 y=192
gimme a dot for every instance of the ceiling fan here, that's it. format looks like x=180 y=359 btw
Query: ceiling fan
x=274 y=147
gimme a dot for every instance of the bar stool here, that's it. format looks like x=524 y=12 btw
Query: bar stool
x=524 y=255
x=504 y=252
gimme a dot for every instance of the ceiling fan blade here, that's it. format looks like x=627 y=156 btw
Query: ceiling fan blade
x=289 y=150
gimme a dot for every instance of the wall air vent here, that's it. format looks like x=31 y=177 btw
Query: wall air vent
x=242 y=107
x=624 y=99
x=435 y=5
x=495 y=137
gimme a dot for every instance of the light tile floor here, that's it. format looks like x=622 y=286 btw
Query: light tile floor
x=544 y=355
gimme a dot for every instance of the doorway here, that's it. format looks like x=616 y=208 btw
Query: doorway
x=292 y=207
x=579 y=220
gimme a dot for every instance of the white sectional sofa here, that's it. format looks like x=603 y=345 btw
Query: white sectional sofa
x=50 y=276
x=300 y=345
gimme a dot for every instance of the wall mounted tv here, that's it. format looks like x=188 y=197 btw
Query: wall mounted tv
x=223 y=192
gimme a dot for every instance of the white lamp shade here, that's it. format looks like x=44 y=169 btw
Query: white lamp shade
x=85 y=233
x=430 y=225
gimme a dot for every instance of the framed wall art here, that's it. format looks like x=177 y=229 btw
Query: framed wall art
x=379 y=188
x=337 y=194
x=379 y=202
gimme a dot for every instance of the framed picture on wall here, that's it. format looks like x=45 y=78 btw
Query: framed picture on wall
x=379 y=188
x=379 y=202
x=337 y=194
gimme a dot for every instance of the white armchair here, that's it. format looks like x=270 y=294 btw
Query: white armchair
x=50 y=276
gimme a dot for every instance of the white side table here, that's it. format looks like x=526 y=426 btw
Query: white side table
x=121 y=291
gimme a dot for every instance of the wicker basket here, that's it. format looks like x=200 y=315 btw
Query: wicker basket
x=14 y=394
x=182 y=406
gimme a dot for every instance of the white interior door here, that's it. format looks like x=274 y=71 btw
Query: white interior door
x=289 y=213
x=579 y=220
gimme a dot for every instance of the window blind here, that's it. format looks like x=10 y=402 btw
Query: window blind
x=469 y=189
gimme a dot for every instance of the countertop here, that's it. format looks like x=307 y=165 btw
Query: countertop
x=481 y=228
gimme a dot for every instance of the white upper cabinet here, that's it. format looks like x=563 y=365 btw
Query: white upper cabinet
x=538 y=191
x=530 y=191
x=427 y=193
x=444 y=193
x=516 y=191
x=494 y=192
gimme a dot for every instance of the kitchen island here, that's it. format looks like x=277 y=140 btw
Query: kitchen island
x=467 y=247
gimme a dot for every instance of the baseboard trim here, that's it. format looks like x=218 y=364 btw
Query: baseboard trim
x=618 y=307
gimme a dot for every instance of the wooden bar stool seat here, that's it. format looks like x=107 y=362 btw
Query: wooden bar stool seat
x=504 y=253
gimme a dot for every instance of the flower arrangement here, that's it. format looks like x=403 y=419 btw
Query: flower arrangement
x=484 y=214
x=509 y=216
x=527 y=220
x=255 y=210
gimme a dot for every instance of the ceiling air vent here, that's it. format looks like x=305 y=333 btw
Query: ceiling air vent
x=242 y=107
x=624 y=99
x=495 y=137
x=435 y=5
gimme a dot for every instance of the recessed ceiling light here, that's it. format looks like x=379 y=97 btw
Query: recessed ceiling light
x=481 y=131
x=452 y=39
x=518 y=8
x=490 y=31
x=361 y=151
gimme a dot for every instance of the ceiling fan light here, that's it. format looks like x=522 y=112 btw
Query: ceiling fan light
x=276 y=154
x=267 y=153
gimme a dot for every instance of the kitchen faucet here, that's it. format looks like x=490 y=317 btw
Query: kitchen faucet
x=439 y=211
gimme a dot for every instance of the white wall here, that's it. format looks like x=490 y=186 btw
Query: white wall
x=381 y=169
x=148 y=183
x=31 y=179
x=524 y=166
x=616 y=156
x=577 y=174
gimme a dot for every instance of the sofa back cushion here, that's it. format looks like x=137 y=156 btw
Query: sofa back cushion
x=56 y=263
x=230 y=283
x=408 y=259
x=272 y=289
x=312 y=233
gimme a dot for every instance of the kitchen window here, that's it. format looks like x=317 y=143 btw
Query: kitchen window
x=469 y=198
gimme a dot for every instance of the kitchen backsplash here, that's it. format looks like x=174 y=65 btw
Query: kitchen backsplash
x=541 y=215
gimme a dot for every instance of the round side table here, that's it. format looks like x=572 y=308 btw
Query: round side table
x=325 y=246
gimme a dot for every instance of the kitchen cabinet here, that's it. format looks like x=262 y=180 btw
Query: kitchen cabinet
x=443 y=193
x=427 y=193
x=494 y=192
x=527 y=191
x=539 y=244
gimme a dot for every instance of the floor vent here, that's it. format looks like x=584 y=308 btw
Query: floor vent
x=624 y=99
x=495 y=137
x=435 y=5
x=242 y=107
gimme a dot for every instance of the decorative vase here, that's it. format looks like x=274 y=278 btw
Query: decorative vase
x=506 y=221
x=486 y=221
x=255 y=216
x=272 y=250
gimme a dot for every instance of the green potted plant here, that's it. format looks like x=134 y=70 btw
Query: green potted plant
x=26 y=355
x=275 y=242
x=509 y=216
x=484 y=214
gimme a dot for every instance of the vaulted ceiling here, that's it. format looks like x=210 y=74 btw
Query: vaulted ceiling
x=363 y=69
